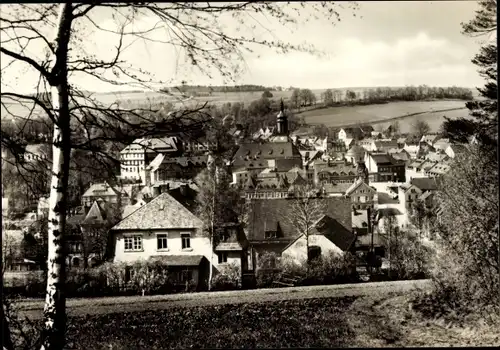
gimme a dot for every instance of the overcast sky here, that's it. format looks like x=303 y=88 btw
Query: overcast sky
x=387 y=44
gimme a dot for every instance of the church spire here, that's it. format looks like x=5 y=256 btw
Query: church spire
x=282 y=120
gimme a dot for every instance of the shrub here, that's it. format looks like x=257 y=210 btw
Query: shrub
x=149 y=277
x=409 y=257
x=333 y=268
x=36 y=283
x=267 y=269
x=227 y=278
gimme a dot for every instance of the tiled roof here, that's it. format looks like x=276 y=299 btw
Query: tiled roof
x=180 y=260
x=226 y=246
x=40 y=149
x=424 y=183
x=336 y=187
x=268 y=214
x=287 y=164
x=337 y=233
x=335 y=167
x=384 y=212
x=95 y=214
x=386 y=144
x=385 y=198
x=359 y=219
x=163 y=212
x=266 y=150
x=384 y=159
x=101 y=189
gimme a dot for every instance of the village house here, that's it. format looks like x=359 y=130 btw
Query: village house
x=386 y=145
x=442 y=144
x=165 y=168
x=455 y=149
x=37 y=152
x=165 y=229
x=104 y=192
x=400 y=155
x=382 y=167
x=368 y=144
x=334 y=172
x=355 y=155
x=430 y=139
x=271 y=227
x=362 y=196
x=439 y=169
x=413 y=149
x=414 y=169
x=357 y=132
x=327 y=237
x=135 y=157
x=335 y=189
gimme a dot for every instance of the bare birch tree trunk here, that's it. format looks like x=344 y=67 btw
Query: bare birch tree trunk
x=211 y=270
x=55 y=302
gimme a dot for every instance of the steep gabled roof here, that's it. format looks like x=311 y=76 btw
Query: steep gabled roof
x=102 y=189
x=163 y=212
x=269 y=214
x=95 y=214
x=336 y=233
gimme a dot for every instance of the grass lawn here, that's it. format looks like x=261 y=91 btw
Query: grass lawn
x=369 y=321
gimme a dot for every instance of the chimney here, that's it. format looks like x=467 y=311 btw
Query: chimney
x=184 y=190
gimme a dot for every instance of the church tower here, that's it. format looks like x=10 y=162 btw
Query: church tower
x=282 y=121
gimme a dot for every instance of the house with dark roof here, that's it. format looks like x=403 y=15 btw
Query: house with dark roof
x=455 y=149
x=271 y=228
x=382 y=167
x=165 y=229
x=105 y=192
x=425 y=184
x=327 y=237
x=386 y=145
x=355 y=132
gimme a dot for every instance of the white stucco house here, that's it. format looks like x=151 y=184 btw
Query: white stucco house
x=165 y=229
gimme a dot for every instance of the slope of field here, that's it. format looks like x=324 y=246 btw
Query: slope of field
x=434 y=119
x=371 y=114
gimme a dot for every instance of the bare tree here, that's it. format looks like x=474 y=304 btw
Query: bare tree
x=80 y=121
x=307 y=209
x=420 y=128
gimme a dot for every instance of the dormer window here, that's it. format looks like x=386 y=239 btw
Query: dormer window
x=270 y=234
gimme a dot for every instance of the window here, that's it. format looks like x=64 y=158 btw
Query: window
x=186 y=240
x=133 y=243
x=161 y=241
x=222 y=257
x=270 y=234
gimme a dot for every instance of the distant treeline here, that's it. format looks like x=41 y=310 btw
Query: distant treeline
x=197 y=89
x=388 y=94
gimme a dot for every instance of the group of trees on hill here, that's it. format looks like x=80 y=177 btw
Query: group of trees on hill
x=331 y=97
x=302 y=98
x=257 y=114
x=211 y=89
